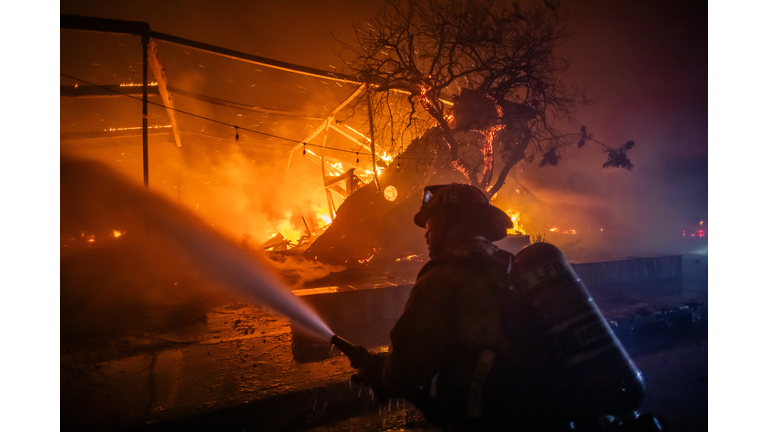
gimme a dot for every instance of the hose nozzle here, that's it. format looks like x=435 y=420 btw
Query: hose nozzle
x=358 y=356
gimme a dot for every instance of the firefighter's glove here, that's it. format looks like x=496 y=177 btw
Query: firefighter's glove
x=369 y=375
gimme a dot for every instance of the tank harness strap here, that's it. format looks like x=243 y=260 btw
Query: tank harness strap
x=484 y=364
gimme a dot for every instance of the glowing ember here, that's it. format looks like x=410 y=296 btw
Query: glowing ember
x=425 y=102
x=488 y=152
x=116 y=233
x=499 y=111
x=365 y=260
x=136 y=128
x=409 y=258
x=459 y=168
x=153 y=83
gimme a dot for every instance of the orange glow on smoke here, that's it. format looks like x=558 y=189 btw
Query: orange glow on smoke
x=288 y=230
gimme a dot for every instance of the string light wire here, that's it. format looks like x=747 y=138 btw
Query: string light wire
x=237 y=135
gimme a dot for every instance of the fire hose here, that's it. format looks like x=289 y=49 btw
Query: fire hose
x=369 y=366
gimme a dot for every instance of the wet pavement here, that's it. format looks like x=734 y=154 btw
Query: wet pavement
x=236 y=370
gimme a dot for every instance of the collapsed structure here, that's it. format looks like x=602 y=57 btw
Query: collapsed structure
x=368 y=190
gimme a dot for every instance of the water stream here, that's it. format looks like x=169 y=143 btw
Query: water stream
x=95 y=196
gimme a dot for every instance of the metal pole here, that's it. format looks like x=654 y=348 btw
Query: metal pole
x=322 y=168
x=144 y=105
x=373 y=141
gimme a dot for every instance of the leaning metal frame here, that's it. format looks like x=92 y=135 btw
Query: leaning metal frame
x=142 y=29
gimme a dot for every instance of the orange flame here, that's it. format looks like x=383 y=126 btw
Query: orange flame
x=518 y=227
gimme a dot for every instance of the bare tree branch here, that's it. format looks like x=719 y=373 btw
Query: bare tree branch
x=499 y=64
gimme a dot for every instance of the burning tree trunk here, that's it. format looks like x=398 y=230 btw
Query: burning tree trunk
x=380 y=222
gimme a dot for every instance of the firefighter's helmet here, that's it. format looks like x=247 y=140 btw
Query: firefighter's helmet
x=464 y=202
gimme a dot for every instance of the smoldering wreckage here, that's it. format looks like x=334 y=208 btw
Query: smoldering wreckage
x=180 y=288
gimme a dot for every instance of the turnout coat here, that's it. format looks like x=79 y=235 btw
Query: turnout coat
x=463 y=351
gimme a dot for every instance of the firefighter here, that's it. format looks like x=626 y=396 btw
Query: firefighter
x=450 y=339
x=471 y=356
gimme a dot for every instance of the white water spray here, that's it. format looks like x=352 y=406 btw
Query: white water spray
x=90 y=190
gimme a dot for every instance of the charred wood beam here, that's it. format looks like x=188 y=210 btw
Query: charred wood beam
x=339 y=190
x=162 y=87
x=329 y=161
x=331 y=180
x=350 y=137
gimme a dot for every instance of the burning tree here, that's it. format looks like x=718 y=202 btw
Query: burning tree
x=492 y=83
x=475 y=67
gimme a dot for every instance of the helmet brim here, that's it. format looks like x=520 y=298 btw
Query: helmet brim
x=487 y=212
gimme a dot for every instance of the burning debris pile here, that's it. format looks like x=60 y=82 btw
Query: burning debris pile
x=372 y=222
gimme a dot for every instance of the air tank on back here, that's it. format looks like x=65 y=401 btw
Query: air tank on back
x=595 y=367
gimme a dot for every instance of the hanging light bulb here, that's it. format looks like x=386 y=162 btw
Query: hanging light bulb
x=304 y=152
x=358 y=157
x=237 y=135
